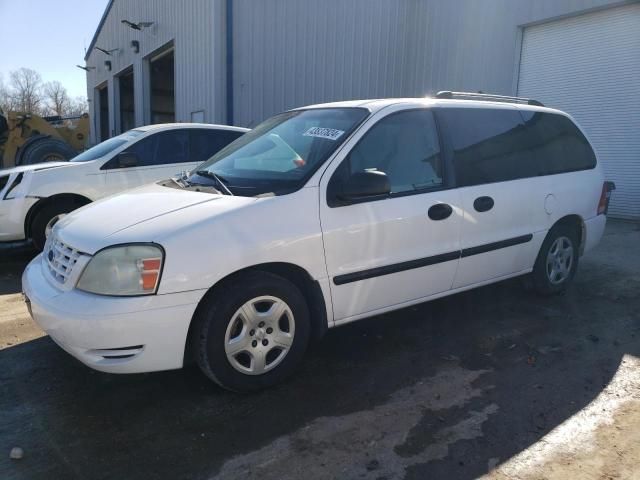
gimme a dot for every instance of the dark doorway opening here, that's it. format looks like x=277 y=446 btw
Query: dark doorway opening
x=127 y=105
x=162 y=80
x=103 y=105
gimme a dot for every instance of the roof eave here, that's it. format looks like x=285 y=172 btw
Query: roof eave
x=100 y=25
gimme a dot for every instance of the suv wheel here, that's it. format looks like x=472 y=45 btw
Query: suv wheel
x=557 y=261
x=252 y=333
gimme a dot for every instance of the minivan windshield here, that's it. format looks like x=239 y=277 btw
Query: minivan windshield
x=107 y=146
x=280 y=154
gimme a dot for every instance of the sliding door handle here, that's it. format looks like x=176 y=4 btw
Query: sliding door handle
x=440 y=211
x=483 y=204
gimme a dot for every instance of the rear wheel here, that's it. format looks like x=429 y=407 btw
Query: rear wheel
x=44 y=221
x=47 y=150
x=557 y=260
x=252 y=332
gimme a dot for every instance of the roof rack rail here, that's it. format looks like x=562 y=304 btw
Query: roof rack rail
x=486 y=96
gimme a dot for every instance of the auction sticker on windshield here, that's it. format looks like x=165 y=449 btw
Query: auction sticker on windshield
x=320 y=132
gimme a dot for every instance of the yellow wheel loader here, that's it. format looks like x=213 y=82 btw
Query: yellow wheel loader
x=26 y=138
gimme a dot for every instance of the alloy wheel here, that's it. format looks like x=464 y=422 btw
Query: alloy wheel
x=559 y=260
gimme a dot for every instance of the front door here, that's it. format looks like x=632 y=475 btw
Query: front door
x=401 y=248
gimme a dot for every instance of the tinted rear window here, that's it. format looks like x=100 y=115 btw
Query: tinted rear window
x=497 y=145
x=557 y=143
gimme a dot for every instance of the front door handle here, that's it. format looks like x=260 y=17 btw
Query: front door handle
x=483 y=204
x=440 y=211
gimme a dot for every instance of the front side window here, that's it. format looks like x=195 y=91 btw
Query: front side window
x=281 y=154
x=162 y=148
x=172 y=146
x=402 y=145
x=206 y=142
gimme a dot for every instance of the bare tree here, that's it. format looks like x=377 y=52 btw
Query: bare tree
x=57 y=97
x=77 y=106
x=26 y=90
x=5 y=98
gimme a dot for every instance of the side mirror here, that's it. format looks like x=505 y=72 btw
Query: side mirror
x=127 y=159
x=365 y=185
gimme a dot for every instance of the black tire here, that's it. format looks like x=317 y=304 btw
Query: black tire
x=46 y=150
x=540 y=277
x=213 y=317
x=44 y=216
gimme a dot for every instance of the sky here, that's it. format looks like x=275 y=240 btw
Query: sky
x=49 y=36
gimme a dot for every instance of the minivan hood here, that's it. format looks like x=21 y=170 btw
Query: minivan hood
x=93 y=227
x=37 y=166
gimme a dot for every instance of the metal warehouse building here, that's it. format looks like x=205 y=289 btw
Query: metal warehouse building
x=240 y=61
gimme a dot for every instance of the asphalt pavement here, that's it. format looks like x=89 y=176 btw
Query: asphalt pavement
x=496 y=381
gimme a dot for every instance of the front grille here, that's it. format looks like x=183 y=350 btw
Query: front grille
x=60 y=259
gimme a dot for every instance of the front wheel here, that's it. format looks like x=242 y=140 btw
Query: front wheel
x=252 y=332
x=557 y=260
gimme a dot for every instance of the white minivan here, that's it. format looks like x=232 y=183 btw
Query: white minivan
x=34 y=197
x=318 y=217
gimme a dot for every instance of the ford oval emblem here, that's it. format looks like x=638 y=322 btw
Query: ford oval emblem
x=50 y=255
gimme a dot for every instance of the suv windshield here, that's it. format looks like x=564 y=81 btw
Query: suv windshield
x=280 y=154
x=107 y=146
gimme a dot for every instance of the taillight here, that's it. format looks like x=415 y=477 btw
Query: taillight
x=605 y=196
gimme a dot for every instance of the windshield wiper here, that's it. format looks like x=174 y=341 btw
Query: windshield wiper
x=216 y=178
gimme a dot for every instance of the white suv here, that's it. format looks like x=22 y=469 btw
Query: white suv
x=34 y=197
x=318 y=217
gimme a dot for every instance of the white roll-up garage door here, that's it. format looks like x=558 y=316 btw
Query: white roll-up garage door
x=589 y=66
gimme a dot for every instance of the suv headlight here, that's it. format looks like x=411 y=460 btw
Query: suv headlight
x=123 y=270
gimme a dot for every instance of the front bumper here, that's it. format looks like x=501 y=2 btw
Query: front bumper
x=112 y=334
x=13 y=212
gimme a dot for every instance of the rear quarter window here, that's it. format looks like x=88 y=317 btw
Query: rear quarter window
x=498 y=145
x=557 y=143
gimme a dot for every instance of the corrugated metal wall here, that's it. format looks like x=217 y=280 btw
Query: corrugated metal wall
x=290 y=53
x=472 y=45
x=197 y=30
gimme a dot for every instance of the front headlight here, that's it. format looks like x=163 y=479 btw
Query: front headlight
x=123 y=270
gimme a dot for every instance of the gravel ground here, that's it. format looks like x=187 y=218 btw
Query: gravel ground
x=495 y=382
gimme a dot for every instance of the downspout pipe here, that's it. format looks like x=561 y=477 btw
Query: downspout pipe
x=229 y=60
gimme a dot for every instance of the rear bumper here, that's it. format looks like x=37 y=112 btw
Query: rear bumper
x=13 y=212
x=112 y=334
x=594 y=229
